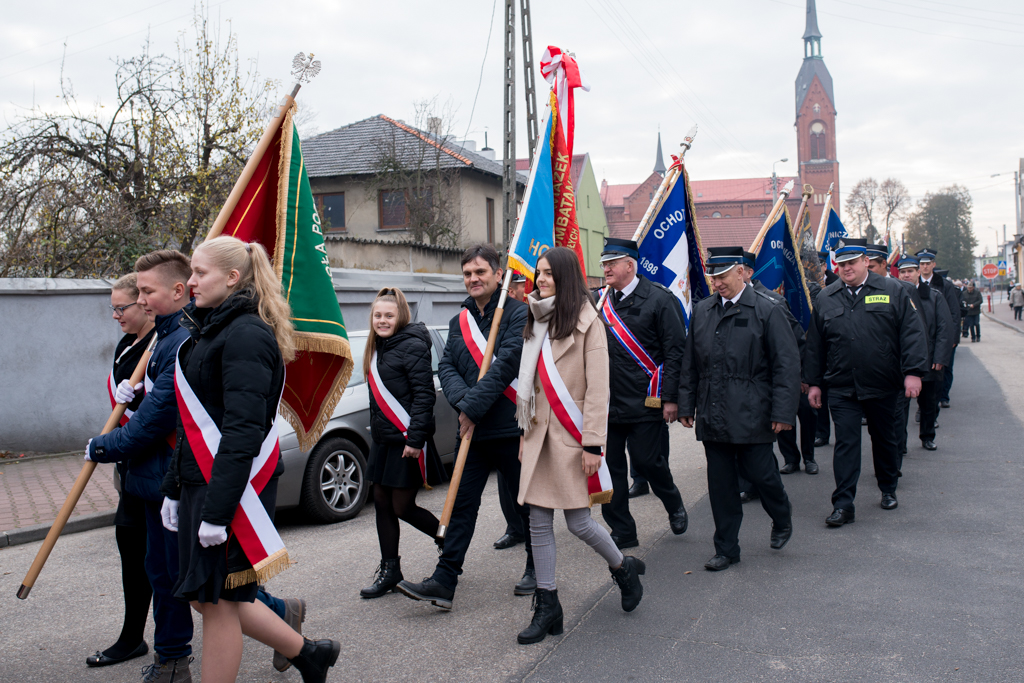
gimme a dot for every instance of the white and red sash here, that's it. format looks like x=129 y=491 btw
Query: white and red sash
x=636 y=352
x=476 y=342
x=393 y=410
x=111 y=387
x=251 y=524
x=599 y=484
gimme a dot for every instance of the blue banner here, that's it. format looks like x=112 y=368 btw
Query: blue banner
x=777 y=267
x=535 y=232
x=669 y=252
x=834 y=230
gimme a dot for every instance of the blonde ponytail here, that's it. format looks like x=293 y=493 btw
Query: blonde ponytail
x=255 y=272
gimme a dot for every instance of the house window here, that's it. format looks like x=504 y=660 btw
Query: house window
x=392 y=209
x=818 y=141
x=331 y=208
x=716 y=214
x=490 y=220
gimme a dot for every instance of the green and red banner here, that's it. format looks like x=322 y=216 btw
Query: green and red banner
x=276 y=209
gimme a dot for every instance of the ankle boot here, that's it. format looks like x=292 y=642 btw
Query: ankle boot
x=547 y=617
x=171 y=671
x=389 y=573
x=315 y=658
x=628 y=578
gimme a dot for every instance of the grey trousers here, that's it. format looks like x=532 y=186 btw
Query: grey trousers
x=581 y=525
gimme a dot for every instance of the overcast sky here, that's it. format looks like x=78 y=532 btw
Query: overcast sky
x=928 y=92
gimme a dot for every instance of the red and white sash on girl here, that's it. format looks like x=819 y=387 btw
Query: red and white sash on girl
x=251 y=525
x=637 y=352
x=393 y=410
x=111 y=387
x=476 y=342
x=599 y=484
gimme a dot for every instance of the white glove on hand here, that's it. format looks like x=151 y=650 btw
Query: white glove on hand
x=87 y=447
x=125 y=393
x=211 y=534
x=169 y=514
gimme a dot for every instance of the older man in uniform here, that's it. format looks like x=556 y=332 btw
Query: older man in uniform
x=931 y=277
x=740 y=387
x=866 y=343
x=824 y=425
x=646 y=337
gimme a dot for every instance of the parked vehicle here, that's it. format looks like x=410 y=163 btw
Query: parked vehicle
x=329 y=482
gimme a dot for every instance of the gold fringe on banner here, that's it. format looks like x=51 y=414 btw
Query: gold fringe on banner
x=265 y=570
x=602 y=498
x=652 y=402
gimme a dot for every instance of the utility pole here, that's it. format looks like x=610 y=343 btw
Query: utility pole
x=531 y=93
x=508 y=212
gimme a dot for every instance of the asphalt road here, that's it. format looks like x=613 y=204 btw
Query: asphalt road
x=931 y=591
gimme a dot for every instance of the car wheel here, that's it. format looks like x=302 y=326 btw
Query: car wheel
x=335 y=486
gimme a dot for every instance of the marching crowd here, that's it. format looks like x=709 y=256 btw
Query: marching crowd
x=578 y=379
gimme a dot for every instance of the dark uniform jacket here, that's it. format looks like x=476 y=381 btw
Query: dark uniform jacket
x=234 y=366
x=741 y=370
x=655 y=318
x=403 y=361
x=775 y=298
x=863 y=346
x=950 y=295
x=483 y=402
x=972 y=301
x=938 y=326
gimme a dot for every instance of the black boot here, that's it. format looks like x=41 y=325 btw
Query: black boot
x=316 y=657
x=547 y=617
x=628 y=578
x=389 y=573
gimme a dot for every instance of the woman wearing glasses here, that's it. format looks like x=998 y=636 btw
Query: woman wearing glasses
x=130 y=518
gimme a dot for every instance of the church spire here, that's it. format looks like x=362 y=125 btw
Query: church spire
x=659 y=162
x=812 y=36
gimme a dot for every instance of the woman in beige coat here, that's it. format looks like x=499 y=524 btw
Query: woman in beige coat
x=556 y=463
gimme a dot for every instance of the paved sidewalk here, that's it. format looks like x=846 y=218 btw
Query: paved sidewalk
x=1001 y=311
x=33 y=491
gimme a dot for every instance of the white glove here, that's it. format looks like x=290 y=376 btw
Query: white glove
x=125 y=393
x=211 y=534
x=87 y=447
x=169 y=514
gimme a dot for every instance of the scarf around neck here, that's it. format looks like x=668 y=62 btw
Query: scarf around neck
x=526 y=401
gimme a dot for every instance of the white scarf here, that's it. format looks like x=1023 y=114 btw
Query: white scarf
x=526 y=402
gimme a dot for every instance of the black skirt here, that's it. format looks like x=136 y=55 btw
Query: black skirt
x=203 y=571
x=387 y=467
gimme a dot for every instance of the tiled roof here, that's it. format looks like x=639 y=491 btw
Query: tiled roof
x=578 y=162
x=728 y=232
x=737 y=189
x=355 y=149
x=615 y=195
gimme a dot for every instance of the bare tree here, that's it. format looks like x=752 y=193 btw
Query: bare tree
x=894 y=203
x=860 y=205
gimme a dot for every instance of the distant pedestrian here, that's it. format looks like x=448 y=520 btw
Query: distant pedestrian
x=972 y=308
x=1017 y=301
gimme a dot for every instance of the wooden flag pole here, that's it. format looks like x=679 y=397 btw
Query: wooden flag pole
x=80 y=483
x=819 y=238
x=806 y=193
x=660 y=196
x=773 y=215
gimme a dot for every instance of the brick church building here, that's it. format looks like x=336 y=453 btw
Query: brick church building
x=731 y=211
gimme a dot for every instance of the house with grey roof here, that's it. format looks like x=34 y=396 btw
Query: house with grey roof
x=383 y=181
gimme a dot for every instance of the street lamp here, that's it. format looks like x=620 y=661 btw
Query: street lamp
x=1016 y=197
x=775 y=180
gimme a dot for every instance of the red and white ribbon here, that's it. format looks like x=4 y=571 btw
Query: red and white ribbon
x=599 y=484
x=636 y=351
x=111 y=388
x=476 y=342
x=251 y=524
x=563 y=73
x=393 y=410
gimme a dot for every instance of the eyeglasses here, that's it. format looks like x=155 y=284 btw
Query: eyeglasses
x=119 y=310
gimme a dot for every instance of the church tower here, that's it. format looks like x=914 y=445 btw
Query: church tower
x=816 y=122
x=659 y=161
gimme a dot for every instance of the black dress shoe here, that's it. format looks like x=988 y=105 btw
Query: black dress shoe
x=528 y=584
x=679 y=520
x=781 y=536
x=789 y=468
x=839 y=517
x=943 y=404
x=929 y=445
x=428 y=590
x=819 y=442
x=508 y=541
x=746 y=497
x=720 y=562
x=639 y=489
x=100 y=659
x=624 y=543
x=810 y=467
x=889 y=501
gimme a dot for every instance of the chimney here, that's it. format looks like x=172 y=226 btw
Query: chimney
x=434 y=126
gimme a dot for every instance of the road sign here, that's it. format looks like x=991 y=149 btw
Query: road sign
x=1002 y=268
x=990 y=270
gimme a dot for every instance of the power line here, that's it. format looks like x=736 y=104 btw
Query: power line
x=958 y=14
x=487 y=47
x=926 y=18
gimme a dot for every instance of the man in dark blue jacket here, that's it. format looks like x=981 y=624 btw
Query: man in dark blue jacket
x=145 y=443
x=487 y=411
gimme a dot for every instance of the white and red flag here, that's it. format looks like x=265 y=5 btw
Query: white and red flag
x=563 y=73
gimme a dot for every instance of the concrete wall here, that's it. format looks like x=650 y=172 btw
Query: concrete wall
x=352 y=252
x=57 y=341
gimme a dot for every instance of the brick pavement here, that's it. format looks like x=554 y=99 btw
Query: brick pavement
x=32 y=491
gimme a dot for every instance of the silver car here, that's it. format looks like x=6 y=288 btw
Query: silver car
x=329 y=482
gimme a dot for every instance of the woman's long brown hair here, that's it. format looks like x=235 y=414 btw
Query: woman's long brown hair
x=393 y=295
x=571 y=293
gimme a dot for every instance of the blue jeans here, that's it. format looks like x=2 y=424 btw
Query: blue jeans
x=276 y=604
x=172 y=618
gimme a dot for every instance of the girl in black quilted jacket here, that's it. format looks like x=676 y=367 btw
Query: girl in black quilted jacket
x=403 y=458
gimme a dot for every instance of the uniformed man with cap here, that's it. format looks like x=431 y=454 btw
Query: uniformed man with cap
x=866 y=343
x=646 y=337
x=824 y=425
x=740 y=387
x=931 y=277
x=940 y=334
x=878 y=259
